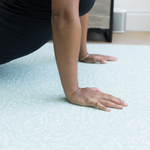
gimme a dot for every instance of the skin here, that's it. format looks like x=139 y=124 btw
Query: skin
x=69 y=39
x=92 y=58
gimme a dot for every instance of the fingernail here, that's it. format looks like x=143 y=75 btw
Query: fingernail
x=120 y=106
x=122 y=101
x=125 y=104
x=108 y=110
x=100 y=91
x=105 y=61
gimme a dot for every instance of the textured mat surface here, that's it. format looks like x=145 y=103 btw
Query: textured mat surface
x=34 y=114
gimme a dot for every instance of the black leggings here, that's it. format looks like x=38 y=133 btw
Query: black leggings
x=25 y=25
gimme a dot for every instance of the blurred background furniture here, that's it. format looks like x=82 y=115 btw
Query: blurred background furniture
x=101 y=18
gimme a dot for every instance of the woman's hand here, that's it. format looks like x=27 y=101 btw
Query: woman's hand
x=95 y=98
x=92 y=58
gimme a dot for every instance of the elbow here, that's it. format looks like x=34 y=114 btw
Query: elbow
x=63 y=17
x=59 y=19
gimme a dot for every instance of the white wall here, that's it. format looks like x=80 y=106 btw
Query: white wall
x=133 y=4
x=138 y=14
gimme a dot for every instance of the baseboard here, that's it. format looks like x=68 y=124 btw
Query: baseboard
x=118 y=31
x=138 y=21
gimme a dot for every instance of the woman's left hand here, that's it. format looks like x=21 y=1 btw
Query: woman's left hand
x=92 y=58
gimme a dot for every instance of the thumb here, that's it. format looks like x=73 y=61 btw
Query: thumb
x=94 y=88
x=103 y=61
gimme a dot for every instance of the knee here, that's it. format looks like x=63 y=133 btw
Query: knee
x=85 y=6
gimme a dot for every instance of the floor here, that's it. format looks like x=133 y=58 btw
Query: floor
x=129 y=37
x=35 y=114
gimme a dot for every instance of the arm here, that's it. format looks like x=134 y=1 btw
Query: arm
x=66 y=30
x=83 y=48
x=84 y=26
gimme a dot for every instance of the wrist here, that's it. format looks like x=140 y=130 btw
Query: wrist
x=87 y=55
x=70 y=91
x=83 y=52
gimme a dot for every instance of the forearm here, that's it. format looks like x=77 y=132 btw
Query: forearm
x=84 y=26
x=66 y=39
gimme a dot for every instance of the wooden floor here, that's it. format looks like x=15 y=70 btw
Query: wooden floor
x=129 y=37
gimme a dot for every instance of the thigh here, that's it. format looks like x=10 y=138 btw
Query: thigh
x=22 y=34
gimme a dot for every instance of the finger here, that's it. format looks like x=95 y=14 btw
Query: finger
x=94 y=88
x=114 y=99
x=110 y=58
x=96 y=104
x=99 y=58
x=111 y=104
x=102 y=58
x=102 y=107
x=103 y=61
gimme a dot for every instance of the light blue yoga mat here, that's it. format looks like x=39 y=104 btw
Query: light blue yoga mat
x=34 y=114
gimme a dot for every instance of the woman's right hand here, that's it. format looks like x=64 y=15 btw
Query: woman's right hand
x=95 y=98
